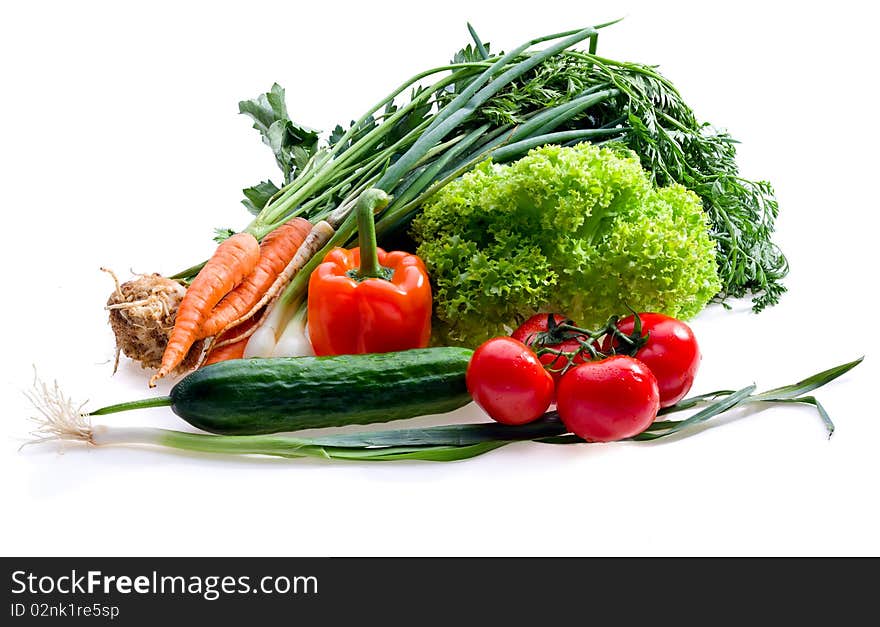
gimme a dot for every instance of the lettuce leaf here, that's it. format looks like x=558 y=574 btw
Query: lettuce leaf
x=579 y=230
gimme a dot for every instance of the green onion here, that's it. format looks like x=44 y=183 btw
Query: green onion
x=61 y=419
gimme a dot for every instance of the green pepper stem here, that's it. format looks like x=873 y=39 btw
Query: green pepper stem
x=370 y=201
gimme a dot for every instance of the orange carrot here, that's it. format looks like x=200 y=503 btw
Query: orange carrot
x=227 y=352
x=234 y=259
x=319 y=235
x=276 y=251
x=230 y=351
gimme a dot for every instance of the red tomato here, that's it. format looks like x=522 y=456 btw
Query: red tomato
x=612 y=399
x=539 y=323
x=527 y=333
x=506 y=379
x=671 y=353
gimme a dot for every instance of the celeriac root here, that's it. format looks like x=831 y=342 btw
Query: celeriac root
x=155 y=304
x=142 y=315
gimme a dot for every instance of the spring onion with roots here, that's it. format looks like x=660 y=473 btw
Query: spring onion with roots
x=495 y=106
x=61 y=419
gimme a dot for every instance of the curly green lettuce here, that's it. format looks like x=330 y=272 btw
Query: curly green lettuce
x=579 y=230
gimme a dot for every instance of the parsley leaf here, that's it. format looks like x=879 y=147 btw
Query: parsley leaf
x=258 y=196
x=221 y=235
x=293 y=144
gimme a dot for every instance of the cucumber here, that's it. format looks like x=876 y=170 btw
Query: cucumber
x=253 y=396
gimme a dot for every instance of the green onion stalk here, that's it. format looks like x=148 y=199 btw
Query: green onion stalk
x=60 y=419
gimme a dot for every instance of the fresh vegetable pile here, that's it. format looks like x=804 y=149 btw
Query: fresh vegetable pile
x=513 y=194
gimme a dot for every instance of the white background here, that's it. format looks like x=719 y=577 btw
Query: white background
x=120 y=146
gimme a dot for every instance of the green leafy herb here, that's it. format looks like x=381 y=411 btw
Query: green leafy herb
x=577 y=229
x=293 y=144
x=258 y=196
x=221 y=235
x=674 y=147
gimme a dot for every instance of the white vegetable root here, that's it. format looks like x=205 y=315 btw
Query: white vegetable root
x=294 y=340
x=59 y=418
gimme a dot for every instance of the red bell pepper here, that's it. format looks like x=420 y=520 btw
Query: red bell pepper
x=366 y=300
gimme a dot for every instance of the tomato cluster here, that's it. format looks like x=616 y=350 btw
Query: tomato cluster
x=607 y=385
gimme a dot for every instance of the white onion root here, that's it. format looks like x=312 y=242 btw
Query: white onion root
x=59 y=417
